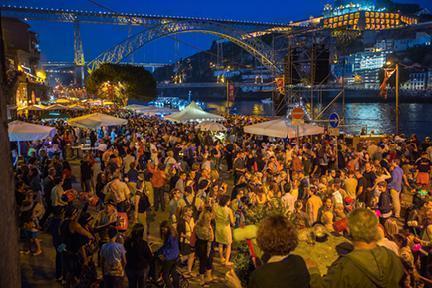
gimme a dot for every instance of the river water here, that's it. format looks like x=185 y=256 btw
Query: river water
x=380 y=117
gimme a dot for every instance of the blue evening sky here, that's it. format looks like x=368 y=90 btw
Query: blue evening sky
x=56 y=39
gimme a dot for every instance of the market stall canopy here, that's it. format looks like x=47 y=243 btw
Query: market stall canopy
x=35 y=107
x=211 y=126
x=282 y=128
x=192 y=113
x=57 y=107
x=150 y=110
x=24 y=131
x=96 y=120
x=76 y=107
x=62 y=101
x=136 y=107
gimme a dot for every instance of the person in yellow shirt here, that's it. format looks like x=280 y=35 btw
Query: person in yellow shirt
x=350 y=184
x=313 y=205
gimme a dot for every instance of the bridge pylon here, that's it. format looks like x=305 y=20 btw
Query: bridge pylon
x=78 y=55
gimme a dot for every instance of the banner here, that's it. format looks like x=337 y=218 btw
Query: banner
x=230 y=92
x=280 y=85
x=388 y=72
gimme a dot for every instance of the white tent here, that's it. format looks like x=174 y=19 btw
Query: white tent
x=211 y=126
x=282 y=128
x=23 y=131
x=193 y=112
x=96 y=120
x=150 y=110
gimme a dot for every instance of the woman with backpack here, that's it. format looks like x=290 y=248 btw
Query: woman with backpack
x=138 y=257
x=202 y=239
x=142 y=209
x=185 y=227
x=168 y=254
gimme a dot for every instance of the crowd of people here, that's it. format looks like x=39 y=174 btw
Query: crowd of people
x=196 y=188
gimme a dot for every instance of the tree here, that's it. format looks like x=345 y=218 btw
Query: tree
x=120 y=82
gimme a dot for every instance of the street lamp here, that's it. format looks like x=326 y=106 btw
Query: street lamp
x=396 y=71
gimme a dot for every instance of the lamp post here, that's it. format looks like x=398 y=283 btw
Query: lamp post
x=396 y=71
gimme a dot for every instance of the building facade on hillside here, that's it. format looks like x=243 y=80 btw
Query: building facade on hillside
x=363 y=15
x=22 y=63
x=419 y=80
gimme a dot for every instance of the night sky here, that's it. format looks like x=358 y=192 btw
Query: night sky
x=56 y=39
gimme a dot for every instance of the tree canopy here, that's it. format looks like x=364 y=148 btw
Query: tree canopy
x=120 y=82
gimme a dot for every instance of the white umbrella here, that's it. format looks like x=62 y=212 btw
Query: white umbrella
x=76 y=107
x=22 y=131
x=56 y=107
x=35 y=107
x=96 y=120
x=282 y=128
x=211 y=126
x=193 y=112
x=135 y=107
x=62 y=101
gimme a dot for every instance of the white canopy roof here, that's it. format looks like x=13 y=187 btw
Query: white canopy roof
x=62 y=101
x=282 y=128
x=57 y=107
x=193 y=112
x=76 y=107
x=35 y=107
x=150 y=110
x=23 y=131
x=211 y=126
x=96 y=120
x=135 y=107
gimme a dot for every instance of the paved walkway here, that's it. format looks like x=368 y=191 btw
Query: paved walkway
x=39 y=271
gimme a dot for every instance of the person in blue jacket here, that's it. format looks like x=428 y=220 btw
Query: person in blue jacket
x=169 y=254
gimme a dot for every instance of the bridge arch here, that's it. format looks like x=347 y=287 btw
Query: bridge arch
x=263 y=52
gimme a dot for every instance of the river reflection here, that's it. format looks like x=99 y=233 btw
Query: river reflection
x=380 y=117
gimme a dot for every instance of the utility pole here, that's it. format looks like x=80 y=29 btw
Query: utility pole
x=397 y=97
x=9 y=265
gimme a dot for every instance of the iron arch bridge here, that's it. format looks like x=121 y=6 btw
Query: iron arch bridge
x=257 y=48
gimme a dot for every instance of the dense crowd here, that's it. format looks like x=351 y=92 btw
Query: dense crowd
x=197 y=186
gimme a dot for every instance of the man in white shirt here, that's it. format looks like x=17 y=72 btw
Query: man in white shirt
x=57 y=193
x=288 y=201
x=127 y=160
x=118 y=191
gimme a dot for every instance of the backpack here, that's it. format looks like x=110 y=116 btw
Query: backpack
x=192 y=205
x=385 y=202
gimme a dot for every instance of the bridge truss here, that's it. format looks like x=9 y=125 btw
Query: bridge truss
x=156 y=26
x=263 y=52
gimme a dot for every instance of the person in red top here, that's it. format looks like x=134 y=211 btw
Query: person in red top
x=158 y=181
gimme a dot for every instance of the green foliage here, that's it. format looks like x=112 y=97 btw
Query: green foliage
x=131 y=82
x=257 y=213
x=254 y=215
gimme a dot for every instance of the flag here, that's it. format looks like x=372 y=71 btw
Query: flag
x=280 y=85
x=388 y=72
